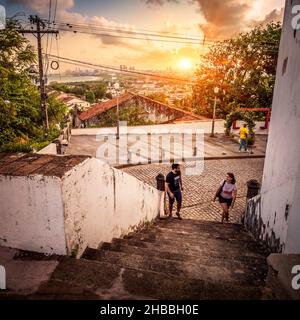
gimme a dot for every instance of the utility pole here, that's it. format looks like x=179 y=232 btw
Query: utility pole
x=216 y=91
x=38 y=33
x=117 y=87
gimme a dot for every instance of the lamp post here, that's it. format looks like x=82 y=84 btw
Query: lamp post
x=216 y=91
x=117 y=87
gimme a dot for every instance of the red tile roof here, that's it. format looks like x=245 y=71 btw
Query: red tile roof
x=104 y=106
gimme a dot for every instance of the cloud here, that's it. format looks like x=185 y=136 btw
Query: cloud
x=273 y=16
x=225 y=18
x=159 y=2
x=222 y=18
x=42 y=7
x=65 y=14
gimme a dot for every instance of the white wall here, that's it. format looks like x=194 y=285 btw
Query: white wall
x=50 y=149
x=31 y=214
x=91 y=203
x=280 y=201
x=101 y=202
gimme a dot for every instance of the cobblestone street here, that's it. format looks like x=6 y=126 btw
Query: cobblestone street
x=199 y=190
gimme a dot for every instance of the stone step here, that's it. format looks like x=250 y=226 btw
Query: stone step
x=215 y=227
x=203 y=230
x=175 y=256
x=190 y=226
x=161 y=233
x=74 y=279
x=200 y=223
x=199 y=246
x=199 y=230
x=227 y=270
x=125 y=245
x=194 y=243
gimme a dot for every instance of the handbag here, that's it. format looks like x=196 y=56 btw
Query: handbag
x=220 y=190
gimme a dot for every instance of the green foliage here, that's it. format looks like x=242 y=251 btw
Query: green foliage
x=35 y=144
x=160 y=97
x=246 y=116
x=90 y=96
x=244 y=69
x=91 y=91
x=20 y=120
x=57 y=110
x=100 y=91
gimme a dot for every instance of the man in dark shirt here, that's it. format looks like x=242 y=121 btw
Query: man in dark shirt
x=174 y=188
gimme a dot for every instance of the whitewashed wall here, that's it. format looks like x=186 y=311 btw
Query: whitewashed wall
x=91 y=203
x=50 y=149
x=101 y=202
x=31 y=214
x=280 y=193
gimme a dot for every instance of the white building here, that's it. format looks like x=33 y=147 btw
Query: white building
x=71 y=101
x=81 y=104
x=275 y=215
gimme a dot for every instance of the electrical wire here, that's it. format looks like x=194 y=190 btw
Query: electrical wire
x=116 y=69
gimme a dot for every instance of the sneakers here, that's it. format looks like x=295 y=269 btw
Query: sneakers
x=178 y=216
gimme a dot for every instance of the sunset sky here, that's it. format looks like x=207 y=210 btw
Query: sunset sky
x=217 y=19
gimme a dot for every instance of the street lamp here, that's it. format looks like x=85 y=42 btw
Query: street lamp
x=117 y=87
x=216 y=91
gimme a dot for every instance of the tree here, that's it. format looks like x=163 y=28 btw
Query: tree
x=159 y=96
x=19 y=98
x=20 y=119
x=57 y=110
x=100 y=91
x=90 y=96
x=244 y=68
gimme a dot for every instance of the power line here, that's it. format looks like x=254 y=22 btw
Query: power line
x=118 y=30
x=55 y=9
x=129 y=34
x=179 y=36
x=148 y=32
x=134 y=72
x=126 y=37
x=140 y=36
x=46 y=65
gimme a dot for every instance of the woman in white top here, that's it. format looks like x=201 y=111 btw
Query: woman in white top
x=227 y=194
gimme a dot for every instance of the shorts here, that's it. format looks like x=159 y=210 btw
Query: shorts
x=177 y=196
x=224 y=200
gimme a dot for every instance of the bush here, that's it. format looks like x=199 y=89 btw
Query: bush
x=14 y=147
x=246 y=116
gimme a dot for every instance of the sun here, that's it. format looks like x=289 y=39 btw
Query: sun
x=185 y=64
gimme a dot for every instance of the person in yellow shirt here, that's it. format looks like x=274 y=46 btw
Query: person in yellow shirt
x=243 y=138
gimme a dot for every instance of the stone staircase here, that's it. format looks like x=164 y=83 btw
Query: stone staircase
x=171 y=259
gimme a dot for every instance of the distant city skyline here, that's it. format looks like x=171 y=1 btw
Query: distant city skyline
x=214 y=19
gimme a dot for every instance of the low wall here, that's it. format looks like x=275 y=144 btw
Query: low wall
x=50 y=149
x=31 y=214
x=101 y=203
x=262 y=231
x=70 y=204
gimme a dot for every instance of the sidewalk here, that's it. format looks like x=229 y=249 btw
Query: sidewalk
x=213 y=148
x=199 y=190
